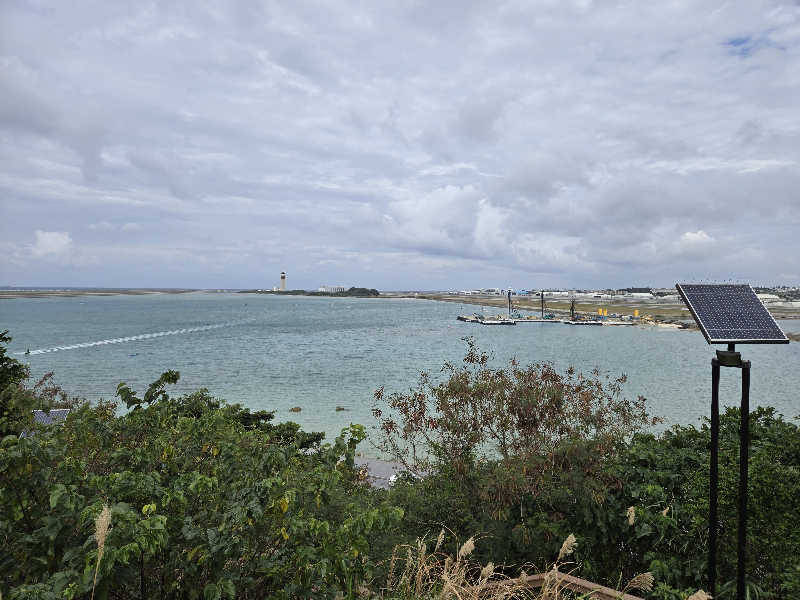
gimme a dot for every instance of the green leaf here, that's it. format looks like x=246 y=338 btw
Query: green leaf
x=211 y=592
x=56 y=494
x=228 y=589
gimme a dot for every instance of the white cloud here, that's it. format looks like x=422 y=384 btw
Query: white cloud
x=697 y=245
x=101 y=226
x=589 y=143
x=696 y=238
x=51 y=244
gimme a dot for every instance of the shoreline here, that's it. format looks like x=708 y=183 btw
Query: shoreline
x=674 y=315
x=664 y=314
x=11 y=294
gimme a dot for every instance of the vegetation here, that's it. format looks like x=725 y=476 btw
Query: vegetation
x=528 y=456
x=204 y=500
x=191 y=497
x=353 y=292
x=417 y=572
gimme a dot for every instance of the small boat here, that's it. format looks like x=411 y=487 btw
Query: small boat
x=501 y=321
x=470 y=318
x=583 y=322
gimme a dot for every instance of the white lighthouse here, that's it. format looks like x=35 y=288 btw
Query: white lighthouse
x=283 y=281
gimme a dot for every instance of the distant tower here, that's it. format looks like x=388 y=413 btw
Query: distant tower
x=283 y=281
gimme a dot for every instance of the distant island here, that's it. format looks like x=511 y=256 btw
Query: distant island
x=353 y=292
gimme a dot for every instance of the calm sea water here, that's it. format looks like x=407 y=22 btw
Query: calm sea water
x=272 y=352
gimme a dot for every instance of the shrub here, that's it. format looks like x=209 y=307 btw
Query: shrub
x=526 y=456
x=519 y=454
x=207 y=500
x=674 y=468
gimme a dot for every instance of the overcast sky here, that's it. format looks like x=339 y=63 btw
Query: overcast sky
x=399 y=145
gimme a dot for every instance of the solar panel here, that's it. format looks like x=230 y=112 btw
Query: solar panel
x=54 y=415
x=731 y=314
x=43 y=417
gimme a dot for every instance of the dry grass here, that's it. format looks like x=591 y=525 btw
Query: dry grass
x=699 y=595
x=416 y=573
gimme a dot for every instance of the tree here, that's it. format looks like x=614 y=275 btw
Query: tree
x=11 y=370
x=519 y=454
x=15 y=405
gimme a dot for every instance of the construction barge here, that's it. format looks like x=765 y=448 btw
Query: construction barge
x=513 y=318
x=497 y=320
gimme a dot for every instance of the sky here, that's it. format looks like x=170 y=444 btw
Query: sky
x=399 y=145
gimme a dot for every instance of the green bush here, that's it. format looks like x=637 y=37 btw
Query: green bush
x=677 y=462
x=520 y=455
x=14 y=412
x=210 y=500
x=526 y=456
x=207 y=501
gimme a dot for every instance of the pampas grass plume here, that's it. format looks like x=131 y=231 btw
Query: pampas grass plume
x=642 y=582
x=467 y=548
x=101 y=524
x=700 y=595
x=568 y=546
x=439 y=540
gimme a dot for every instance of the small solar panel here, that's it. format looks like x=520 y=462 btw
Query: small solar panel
x=46 y=417
x=54 y=415
x=731 y=314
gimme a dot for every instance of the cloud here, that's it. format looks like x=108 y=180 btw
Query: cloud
x=51 y=244
x=101 y=226
x=696 y=238
x=696 y=244
x=401 y=146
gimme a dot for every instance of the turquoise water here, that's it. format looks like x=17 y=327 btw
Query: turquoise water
x=273 y=352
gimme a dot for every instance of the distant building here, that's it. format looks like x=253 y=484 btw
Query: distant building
x=636 y=292
x=332 y=289
x=768 y=297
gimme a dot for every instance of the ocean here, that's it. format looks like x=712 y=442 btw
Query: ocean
x=278 y=352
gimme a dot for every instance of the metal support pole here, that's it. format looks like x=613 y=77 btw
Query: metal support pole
x=744 y=443
x=713 y=525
